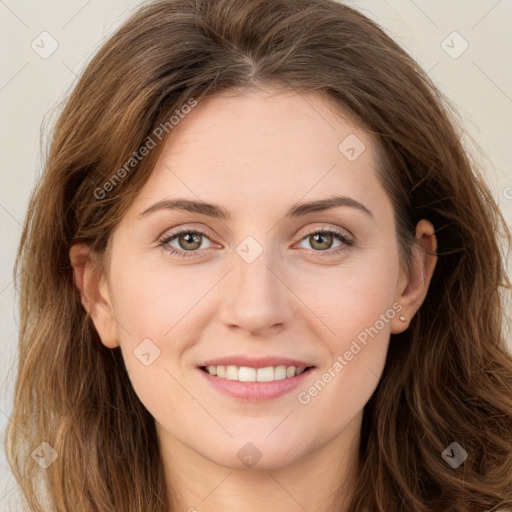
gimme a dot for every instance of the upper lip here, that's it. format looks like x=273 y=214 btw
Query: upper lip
x=255 y=362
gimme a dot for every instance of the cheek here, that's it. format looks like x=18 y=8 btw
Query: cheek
x=355 y=306
x=357 y=349
x=351 y=297
x=156 y=300
x=158 y=317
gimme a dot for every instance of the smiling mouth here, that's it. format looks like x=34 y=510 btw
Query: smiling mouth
x=249 y=374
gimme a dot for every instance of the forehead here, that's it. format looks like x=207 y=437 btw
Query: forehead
x=250 y=148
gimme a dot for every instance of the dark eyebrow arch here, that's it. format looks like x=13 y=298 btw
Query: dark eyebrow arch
x=189 y=206
x=327 y=204
x=218 y=212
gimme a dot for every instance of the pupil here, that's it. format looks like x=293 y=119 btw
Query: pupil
x=189 y=238
x=318 y=238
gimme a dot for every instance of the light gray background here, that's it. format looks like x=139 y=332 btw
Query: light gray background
x=478 y=82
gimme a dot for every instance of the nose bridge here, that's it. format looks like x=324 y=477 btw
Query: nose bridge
x=256 y=298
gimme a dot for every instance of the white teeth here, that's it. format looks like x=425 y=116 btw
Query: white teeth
x=248 y=374
x=280 y=372
x=231 y=372
x=265 y=374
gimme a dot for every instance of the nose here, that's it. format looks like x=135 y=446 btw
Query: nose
x=256 y=297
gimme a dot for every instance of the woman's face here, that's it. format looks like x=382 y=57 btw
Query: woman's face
x=258 y=287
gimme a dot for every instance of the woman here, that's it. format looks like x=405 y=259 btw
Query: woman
x=260 y=272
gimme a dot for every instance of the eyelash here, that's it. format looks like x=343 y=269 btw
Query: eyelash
x=348 y=242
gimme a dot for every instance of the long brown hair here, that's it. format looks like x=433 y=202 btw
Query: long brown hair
x=448 y=377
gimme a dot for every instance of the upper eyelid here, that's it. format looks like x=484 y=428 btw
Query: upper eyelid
x=331 y=229
x=171 y=233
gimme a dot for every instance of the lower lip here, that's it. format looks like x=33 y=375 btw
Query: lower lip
x=256 y=391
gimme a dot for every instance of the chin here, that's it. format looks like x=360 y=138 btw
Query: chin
x=254 y=455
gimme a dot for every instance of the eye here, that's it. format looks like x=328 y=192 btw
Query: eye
x=321 y=240
x=188 y=242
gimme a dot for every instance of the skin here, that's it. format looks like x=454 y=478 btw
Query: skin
x=256 y=154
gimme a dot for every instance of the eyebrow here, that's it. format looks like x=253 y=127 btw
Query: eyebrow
x=218 y=212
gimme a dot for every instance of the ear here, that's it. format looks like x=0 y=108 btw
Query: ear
x=413 y=285
x=93 y=289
